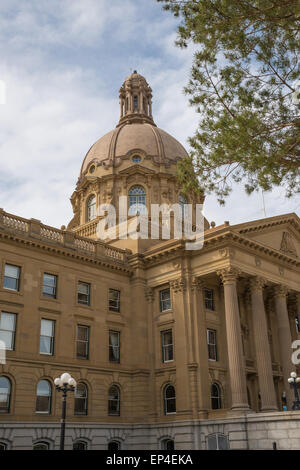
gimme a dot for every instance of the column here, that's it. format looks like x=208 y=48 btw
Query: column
x=183 y=395
x=234 y=341
x=201 y=350
x=149 y=294
x=284 y=339
x=262 y=349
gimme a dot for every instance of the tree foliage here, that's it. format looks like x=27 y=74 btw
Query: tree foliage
x=243 y=84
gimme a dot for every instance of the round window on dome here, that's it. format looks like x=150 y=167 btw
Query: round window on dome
x=136 y=159
x=92 y=169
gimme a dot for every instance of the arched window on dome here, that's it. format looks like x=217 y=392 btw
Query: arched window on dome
x=137 y=200
x=91 y=208
x=182 y=201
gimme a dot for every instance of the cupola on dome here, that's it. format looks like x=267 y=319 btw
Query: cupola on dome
x=136 y=131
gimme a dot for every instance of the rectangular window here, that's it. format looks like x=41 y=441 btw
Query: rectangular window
x=47 y=337
x=83 y=293
x=297 y=324
x=209 y=299
x=11 y=277
x=49 y=285
x=82 y=342
x=165 y=300
x=114 y=346
x=212 y=345
x=167 y=345
x=114 y=300
x=8 y=329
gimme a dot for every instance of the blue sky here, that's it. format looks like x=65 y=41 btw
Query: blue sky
x=63 y=63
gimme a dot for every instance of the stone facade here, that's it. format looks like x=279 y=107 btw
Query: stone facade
x=241 y=290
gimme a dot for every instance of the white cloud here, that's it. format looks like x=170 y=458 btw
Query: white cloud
x=62 y=62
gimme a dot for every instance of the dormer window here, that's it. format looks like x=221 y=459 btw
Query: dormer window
x=91 y=208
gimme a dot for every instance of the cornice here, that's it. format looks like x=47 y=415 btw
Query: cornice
x=218 y=240
x=65 y=252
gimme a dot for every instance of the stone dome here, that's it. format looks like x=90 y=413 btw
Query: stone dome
x=135 y=132
x=125 y=139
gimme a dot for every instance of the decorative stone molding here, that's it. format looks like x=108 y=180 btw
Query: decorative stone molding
x=227 y=252
x=229 y=275
x=257 y=283
x=281 y=270
x=257 y=261
x=149 y=294
x=178 y=285
x=287 y=246
x=196 y=284
x=280 y=291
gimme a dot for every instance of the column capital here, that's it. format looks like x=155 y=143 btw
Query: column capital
x=196 y=284
x=149 y=294
x=229 y=274
x=257 y=283
x=178 y=285
x=280 y=291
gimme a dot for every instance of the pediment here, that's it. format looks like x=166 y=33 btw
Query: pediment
x=136 y=169
x=281 y=233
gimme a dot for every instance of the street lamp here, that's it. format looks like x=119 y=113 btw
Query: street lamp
x=294 y=382
x=65 y=383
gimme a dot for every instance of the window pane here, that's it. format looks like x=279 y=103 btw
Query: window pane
x=42 y=404
x=45 y=344
x=10 y=283
x=170 y=392
x=41 y=446
x=49 y=280
x=83 y=288
x=82 y=333
x=12 y=271
x=7 y=321
x=82 y=349
x=8 y=339
x=47 y=327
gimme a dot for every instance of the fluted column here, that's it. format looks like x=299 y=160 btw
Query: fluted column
x=284 y=339
x=234 y=341
x=149 y=294
x=201 y=350
x=262 y=349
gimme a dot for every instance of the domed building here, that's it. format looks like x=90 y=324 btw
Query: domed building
x=170 y=347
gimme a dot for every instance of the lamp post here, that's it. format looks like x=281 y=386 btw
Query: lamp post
x=65 y=383
x=294 y=382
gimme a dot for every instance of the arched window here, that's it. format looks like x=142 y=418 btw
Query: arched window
x=41 y=445
x=137 y=200
x=5 y=393
x=169 y=399
x=43 y=397
x=167 y=444
x=135 y=103
x=216 y=400
x=3 y=446
x=182 y=200
x=217 y=441
x=114 y=401
x=91 y=208
x=80 y=445
x=81 y=399
x=113 y=446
